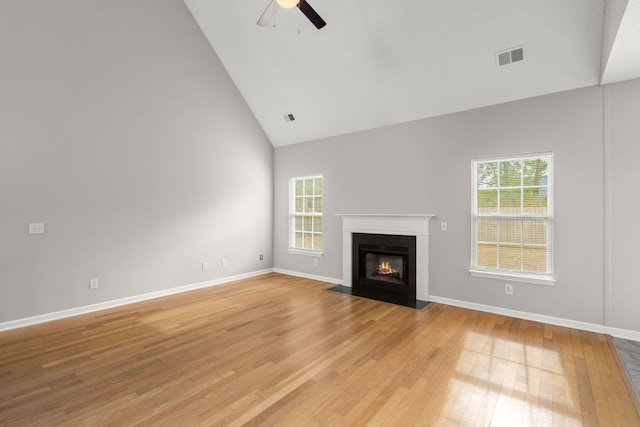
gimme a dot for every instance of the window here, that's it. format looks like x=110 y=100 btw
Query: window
x=513 y=218
x=305 y=215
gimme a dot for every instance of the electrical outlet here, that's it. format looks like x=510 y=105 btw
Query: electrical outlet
x=93 y=284
x=36 y=228
x=443 y=226
x=223 y=262
x=205 y=265
x=508 y=289
x=315 y=262
x=261 y=257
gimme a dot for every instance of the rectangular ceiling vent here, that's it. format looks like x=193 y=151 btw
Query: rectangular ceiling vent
x=289 y=117
x=510 y=56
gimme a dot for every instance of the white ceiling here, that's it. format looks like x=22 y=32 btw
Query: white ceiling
x=380 y=62
x=623 y=62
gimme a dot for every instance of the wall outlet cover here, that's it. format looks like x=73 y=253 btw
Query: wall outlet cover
x=36 y=228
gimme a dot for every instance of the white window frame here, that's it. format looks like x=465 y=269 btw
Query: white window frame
x=292 y=217
x=504 y=274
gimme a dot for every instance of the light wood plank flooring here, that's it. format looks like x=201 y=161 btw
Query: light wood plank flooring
x=279 y=350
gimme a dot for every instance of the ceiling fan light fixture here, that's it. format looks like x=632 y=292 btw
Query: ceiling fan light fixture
x=304 y=7
x=288 y=4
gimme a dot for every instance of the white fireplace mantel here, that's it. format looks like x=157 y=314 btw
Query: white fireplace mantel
x=394 y=224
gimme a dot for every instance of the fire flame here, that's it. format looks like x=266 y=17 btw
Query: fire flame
x=385 y=268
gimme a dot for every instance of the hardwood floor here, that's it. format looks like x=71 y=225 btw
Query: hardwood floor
x=279 y=350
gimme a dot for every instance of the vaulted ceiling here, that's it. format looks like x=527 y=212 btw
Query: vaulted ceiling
x=380 y=62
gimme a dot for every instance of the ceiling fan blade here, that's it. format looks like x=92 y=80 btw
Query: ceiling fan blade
x=311 y=14
x=268 y=13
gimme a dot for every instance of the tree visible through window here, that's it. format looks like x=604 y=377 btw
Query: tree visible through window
x=512 y=215
x=305 y=219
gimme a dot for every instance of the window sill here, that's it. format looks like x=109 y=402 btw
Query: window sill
x=306 y=252
x=514 y=277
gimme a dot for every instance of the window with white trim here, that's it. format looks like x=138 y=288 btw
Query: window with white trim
x=305 y=214
x=513 y=217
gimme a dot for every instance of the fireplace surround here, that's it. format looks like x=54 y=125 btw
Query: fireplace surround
x=415 y=225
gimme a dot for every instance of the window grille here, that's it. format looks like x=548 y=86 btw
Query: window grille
x=305 y=218
x=513 y=215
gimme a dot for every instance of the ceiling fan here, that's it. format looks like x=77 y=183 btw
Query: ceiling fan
x=304 y=7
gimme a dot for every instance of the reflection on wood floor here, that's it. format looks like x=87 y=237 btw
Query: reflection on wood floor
x=280 y=350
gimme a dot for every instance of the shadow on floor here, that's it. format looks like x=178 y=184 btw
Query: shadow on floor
x=629 y=352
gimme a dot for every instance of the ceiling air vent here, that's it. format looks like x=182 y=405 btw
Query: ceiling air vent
x=289 y=117
x=509 y=56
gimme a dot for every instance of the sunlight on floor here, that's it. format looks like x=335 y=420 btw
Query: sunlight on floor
x=503 y=383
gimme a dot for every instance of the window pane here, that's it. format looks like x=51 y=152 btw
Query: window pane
x=509 y=257
x=535 y=259
x=487 y=230
x=487 y=201
x=535 y=201
x=487 y=256
x=514 y=196
x=535 y=171
x=510 y=201
x=308 y=187
x=510 y=173
x=317 y=241
x=306 y=210
x=534 y=231
x=509 y=231
x=486 y=175
x=308 y=239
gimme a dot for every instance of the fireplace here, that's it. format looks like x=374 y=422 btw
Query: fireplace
x=386 y=276
x=384 y=267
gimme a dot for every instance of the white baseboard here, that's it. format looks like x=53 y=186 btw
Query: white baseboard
x=308 y=276
x=591 y=327
x=13 y=324
x=624 y=333
x=551 y=320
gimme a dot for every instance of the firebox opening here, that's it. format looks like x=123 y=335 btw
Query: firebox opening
x=389 y=268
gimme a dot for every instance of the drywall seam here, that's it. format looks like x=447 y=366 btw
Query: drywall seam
x=606 y=135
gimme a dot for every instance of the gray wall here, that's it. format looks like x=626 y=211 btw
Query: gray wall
x=121 y=130
x=425 y=166
x=624 y=203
